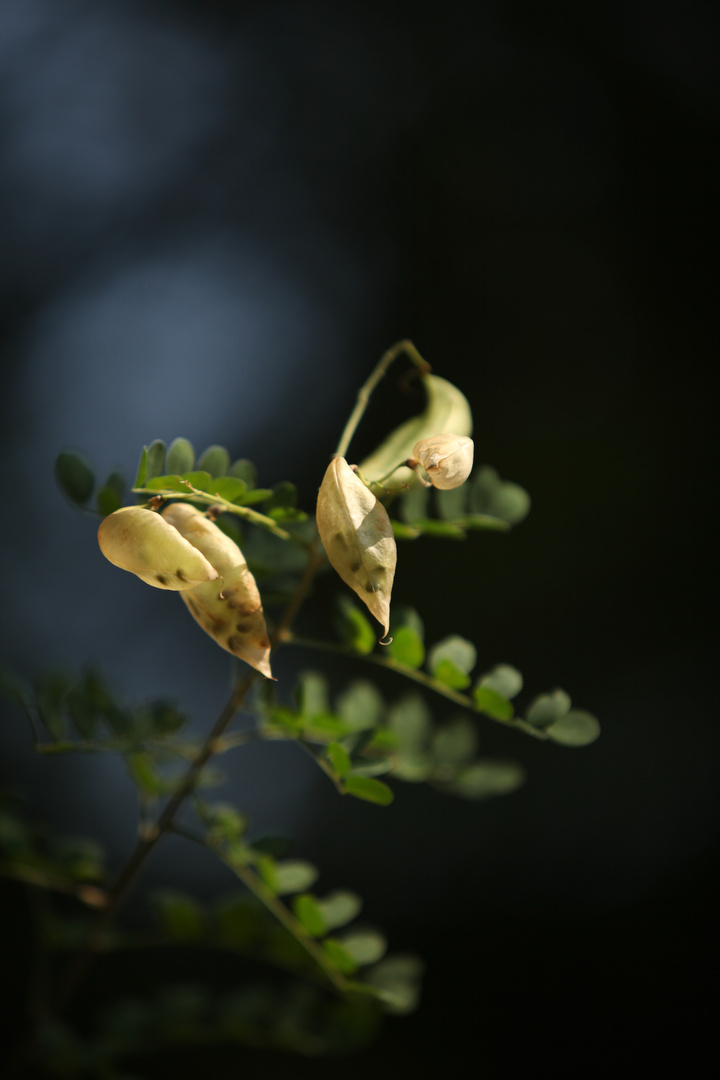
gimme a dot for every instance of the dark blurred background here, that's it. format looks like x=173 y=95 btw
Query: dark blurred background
x=215 y=217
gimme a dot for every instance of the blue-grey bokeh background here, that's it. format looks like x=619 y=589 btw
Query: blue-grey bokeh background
x=215 y=217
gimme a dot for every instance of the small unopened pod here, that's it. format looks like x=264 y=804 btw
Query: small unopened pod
x=229 y=610
x=142 y=542
x=447 y=459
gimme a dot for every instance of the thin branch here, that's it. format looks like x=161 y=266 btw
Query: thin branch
x=77 y=971
x=421 y=677
x=363 y=398
x=253 y=516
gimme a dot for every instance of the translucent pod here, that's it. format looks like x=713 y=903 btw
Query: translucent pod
x=142 y=542
x=357 y=535
x=233 y=613
x=447 y=409
x=447 y=459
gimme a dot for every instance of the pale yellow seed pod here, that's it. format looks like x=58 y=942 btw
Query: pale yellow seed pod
x=140 y=541
x=447 y=459
x=232 y=614
x=357 y=535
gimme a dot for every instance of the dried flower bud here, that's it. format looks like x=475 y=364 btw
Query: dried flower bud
x=231 y=613
x=357 y=535
x=142 y=542
x=447 y=459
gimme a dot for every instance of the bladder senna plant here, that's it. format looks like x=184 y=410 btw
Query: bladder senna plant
x=234 y=551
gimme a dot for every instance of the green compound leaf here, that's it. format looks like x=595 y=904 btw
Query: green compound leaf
x=339 y=759
x=309 y=912
x=74 y=476
x=110 y=497
x=231 y=488
x=504 y=678
x=245 y=471
x=546 y=709
x=340 y=957
x=575 y=728
x=451 y=660
x=339 y=908
x=365 y=946
x=155 y=460
x=498 y=498
x=492 y=703
x=294 y=875
x=180 y=456
x=407 y=647
x=180 y=916
x=353 y=628
x=361 y=705
x=396 y=981
x=369 y=789
x=215 y=460
x=487 y=778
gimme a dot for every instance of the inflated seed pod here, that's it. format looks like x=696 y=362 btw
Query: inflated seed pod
x=142 y=542
x=447 y=459
x=357 y=535
x=231 y=613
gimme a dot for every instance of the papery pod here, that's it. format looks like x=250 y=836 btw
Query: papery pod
x=233 y=613
x=447 y=459
x=357 y=535
x=142 y=542
x=447 y=410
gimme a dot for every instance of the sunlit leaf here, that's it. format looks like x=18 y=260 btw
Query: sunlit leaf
x=339 y=908
x=310 y=914
x=294 y=875
x=313 y=694
x=407 y=646
x=231 y=488
x=369 y=789
x=504 y=678
x=365 y=946
x=492 y=703
x=353 y=627
x=339 y=759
